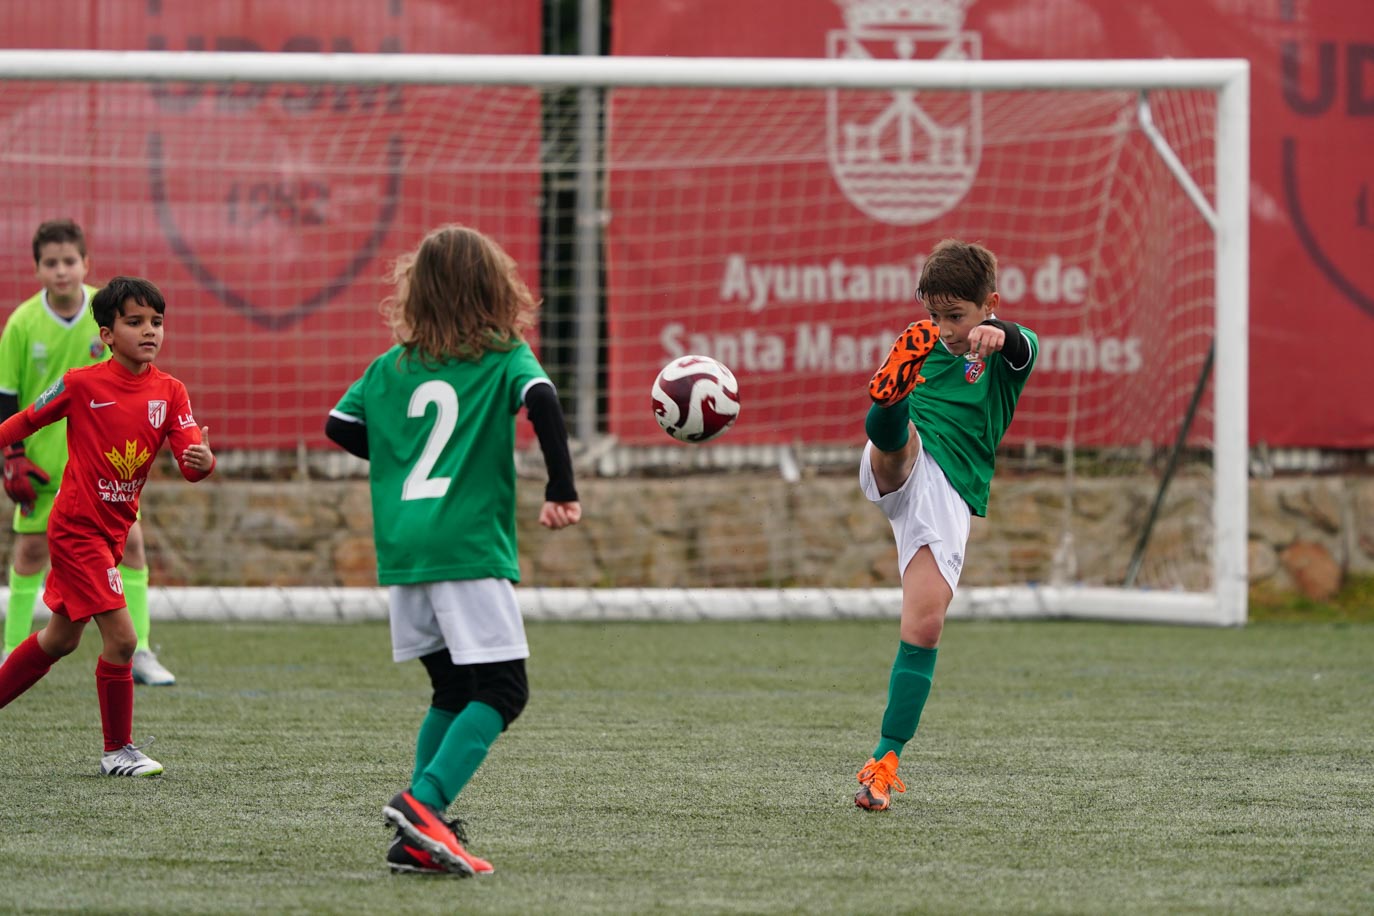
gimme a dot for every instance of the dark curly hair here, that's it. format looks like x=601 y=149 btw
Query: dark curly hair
x=108 y=304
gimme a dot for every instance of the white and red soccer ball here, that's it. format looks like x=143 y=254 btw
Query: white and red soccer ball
x=696 y=398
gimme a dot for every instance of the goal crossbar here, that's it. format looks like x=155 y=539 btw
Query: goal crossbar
x=546 y=71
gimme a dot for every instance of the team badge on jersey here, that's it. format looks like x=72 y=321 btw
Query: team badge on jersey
x=973 y=371
x=116 y=583
x=97 y=347
x=157 y=413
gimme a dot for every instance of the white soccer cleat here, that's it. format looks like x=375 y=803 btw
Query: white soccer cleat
x=148 y=670
x=130 y=760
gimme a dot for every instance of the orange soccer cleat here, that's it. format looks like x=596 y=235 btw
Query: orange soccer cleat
x=900 y=373
x=877 y=780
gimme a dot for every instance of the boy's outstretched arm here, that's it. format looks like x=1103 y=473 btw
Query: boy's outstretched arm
x=18 y=427
x=50 y=407
x=20 y=472
x=1016 y=350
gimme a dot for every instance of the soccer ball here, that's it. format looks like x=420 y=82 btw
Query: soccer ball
x=695 y=398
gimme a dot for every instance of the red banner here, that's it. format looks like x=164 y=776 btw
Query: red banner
x=269 y=214
x=788 y=246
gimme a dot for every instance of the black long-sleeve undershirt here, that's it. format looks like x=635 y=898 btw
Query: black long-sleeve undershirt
x=546 y=415
x=349 y=435
x=9 y=406
x=1016 y=350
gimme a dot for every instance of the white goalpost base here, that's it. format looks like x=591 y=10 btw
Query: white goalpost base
x=346 y=605
x=1220 y=197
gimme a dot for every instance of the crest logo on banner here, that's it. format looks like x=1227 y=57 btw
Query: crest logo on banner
x=904 y=157
x=252 y=182
x=1328 y=89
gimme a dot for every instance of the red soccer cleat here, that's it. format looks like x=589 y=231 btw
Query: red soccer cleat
x=422 y=826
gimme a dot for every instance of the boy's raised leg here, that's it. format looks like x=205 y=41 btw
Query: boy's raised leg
x=24 y=668
x=900 y=373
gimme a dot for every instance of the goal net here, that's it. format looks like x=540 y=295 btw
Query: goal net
x=770 y=213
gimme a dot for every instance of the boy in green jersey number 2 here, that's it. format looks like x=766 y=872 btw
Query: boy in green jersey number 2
x=942 y=400
x=44 y=337
x=435 y=417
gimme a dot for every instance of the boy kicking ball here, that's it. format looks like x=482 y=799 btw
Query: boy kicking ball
x=942 y=401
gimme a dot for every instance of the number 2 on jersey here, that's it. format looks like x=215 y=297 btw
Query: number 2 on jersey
x=418 y=484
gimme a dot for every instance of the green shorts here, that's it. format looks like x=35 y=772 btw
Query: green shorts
x=37 y=523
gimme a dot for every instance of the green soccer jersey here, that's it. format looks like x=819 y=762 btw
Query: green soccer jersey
x=962 y=411
x=37 y=346
x=441 y=448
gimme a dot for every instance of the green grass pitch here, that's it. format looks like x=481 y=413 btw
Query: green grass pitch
x=709 y=768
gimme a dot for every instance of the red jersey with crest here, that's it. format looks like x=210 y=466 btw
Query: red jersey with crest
x=116 y=423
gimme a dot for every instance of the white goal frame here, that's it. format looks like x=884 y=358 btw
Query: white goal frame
x=1225 y=604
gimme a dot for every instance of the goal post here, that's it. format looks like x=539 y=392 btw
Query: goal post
x=1137 y=171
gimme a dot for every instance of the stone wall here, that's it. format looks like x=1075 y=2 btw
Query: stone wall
x=1306 y=534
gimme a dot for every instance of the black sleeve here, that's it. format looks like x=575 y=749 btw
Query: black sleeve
x=9 y=406
x=1016 y=351
x=546 y=415
x=348 y=435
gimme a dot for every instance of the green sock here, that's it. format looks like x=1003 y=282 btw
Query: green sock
x=887 y=427
x=136 y=597
x=432 y=732
x=19 y=615
x=907 y=689
x=465 y=746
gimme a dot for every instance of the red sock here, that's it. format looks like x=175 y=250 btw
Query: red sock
x=115 y=686
x=25 y=667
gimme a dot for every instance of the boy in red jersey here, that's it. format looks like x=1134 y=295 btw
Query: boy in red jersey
x=119 y=413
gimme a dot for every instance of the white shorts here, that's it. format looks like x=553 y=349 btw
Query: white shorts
x=925 y=512
x=478 y=620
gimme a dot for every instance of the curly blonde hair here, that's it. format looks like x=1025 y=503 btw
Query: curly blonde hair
x=457 y=296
